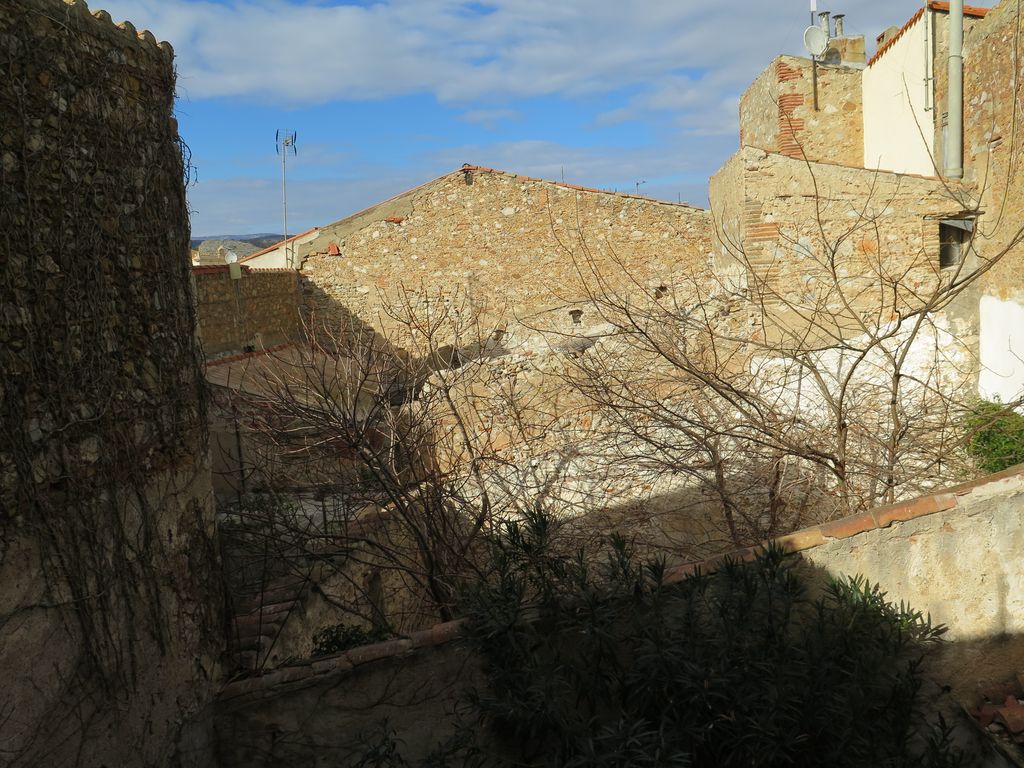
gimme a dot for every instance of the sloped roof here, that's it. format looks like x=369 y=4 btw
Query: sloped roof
x=934 y=5
x=275 y=246
x=469 y=168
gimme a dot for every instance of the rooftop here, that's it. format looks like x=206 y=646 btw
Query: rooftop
x=934 y=5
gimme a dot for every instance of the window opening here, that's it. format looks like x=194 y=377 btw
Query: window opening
x=954 y=238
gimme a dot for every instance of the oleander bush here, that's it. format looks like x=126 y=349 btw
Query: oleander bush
x=611 y=665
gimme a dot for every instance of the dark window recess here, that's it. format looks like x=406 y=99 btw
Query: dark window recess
x=576 y=315
x=954 y=237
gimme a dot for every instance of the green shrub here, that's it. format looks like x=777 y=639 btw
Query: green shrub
x=613 y=667
x=995 y=436
x=341 y=637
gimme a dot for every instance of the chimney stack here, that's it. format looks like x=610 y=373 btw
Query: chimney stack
x=823 y=22
x=839 y=24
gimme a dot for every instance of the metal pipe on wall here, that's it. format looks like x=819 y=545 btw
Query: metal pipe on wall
x=953 y=147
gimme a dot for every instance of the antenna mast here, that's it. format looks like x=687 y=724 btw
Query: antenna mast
x=285 y=140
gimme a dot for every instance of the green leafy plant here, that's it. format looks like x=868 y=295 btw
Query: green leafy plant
x=995 y=436
x=612 y=666
x=341 y=637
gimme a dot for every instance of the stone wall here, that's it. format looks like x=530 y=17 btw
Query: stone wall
x=333 y=710
x=777 y=112
x=109 y=616
x=951 y=555
x=258 y=309
x=993 y=146
x=794 y=214
x=514 y=247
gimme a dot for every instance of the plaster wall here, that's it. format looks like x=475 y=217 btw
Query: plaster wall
x=952 y=555
x=1001 y=375
x=959 y=566
x=278 y=257
x=331 y=711
x=898 y=109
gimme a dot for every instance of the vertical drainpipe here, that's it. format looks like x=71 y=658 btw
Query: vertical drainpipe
x=953 y=149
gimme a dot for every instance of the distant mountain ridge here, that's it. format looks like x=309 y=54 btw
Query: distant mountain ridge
x=261 y=239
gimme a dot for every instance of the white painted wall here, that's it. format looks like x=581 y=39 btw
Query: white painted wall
x=1001 y=349
x=278 y=257
x=895 y=98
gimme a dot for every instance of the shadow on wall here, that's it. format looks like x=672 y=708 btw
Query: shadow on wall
x=415 y=696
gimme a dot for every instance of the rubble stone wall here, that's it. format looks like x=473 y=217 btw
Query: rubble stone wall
x=109 y=620
x=777 y=112
x=511 y=246
x=993 y=151
x=793 y=214
x=259 y=309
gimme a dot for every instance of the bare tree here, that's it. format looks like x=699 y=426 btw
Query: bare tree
x=379 y=461
x=789 y=404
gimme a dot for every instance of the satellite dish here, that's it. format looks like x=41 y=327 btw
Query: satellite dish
x=815 y=41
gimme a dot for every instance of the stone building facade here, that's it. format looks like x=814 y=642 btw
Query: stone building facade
x=780 y=218
x=110 y=628
x=777 y=112
x=773 y=213
x=993 y=149
x=515 y=248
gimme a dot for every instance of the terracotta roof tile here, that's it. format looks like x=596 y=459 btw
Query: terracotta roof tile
x=942 y=7
x=277 y=245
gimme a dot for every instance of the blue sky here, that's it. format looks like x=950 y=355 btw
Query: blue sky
x=388 y=94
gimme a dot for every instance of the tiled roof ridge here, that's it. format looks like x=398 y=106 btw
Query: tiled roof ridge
x=933 y=5
x=276 y=245
x=346 y=661
x=125 y=31
x=566 y=185
x=798 y=541
x=214 y=269
x=483 y=169
x=846 y=527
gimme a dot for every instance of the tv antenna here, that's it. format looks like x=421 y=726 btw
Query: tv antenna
x=816 y=43
x=284 y=141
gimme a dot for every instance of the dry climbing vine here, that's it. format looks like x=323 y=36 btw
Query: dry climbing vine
x=102 y=406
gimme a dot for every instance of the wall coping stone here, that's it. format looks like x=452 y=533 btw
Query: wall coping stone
x=798 y=541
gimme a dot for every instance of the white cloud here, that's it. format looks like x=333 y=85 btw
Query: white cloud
x=254 y=205
x=491 y=118
x=303 y=54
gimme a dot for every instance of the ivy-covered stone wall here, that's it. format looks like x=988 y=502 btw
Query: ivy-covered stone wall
x=109 y=622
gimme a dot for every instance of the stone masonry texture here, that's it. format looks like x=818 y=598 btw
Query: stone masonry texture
x=108 y=624
x=775 y=211
x=515 y=247
x=777 y=112
x=258 y=309
x=994 y=141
